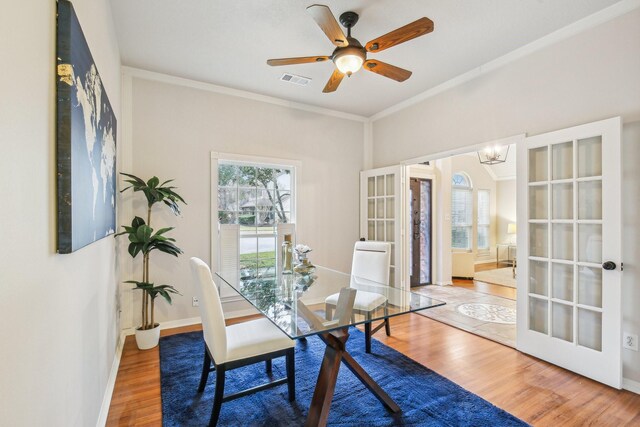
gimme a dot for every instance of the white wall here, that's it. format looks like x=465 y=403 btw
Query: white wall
x=631 y=244
x=59 y=312
x=505 y=208
x=590 y=76
x=176 y=127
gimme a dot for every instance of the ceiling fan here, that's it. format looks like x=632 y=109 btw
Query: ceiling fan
x=349 y=55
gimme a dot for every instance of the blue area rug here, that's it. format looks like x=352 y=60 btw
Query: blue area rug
x=426 y=398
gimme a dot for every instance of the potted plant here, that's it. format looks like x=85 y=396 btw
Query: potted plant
x=143 y=240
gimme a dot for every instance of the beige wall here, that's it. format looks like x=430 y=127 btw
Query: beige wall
x=175 y=128
x=505 y=209
x=590 y=76
x=59 y=312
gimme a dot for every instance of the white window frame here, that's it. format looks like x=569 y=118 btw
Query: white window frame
x=487 y=225
x=469 y=226
x=246 y=160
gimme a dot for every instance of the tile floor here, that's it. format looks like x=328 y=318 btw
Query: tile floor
x=454 y=296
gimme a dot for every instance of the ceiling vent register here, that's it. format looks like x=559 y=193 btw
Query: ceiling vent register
x=296 y=80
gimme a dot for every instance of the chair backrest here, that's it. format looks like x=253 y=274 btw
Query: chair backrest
x=371 y=261
x=213 y=326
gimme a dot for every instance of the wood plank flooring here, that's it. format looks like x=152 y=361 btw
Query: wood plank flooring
x=535 y=391
x=486 y=288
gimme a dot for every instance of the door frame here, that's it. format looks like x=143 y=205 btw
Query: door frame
x=445 y=261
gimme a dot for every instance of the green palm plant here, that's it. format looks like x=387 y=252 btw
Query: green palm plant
x=142 y=239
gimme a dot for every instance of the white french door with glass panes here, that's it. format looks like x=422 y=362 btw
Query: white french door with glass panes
x=569 y=249
x=381 y=213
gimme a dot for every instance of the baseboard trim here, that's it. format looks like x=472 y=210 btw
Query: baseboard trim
x=631 y=385
x=111 y=383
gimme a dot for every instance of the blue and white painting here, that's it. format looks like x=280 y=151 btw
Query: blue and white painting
x=86 y=139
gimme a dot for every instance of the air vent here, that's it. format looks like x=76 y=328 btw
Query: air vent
x=296 y=80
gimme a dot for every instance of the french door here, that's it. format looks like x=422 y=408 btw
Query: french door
x=381 y=211
x=569 y=249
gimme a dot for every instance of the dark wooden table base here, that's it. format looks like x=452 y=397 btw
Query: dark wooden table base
x=334 y=354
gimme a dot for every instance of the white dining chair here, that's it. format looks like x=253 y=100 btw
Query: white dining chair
x=242 y=344
x=371 y=262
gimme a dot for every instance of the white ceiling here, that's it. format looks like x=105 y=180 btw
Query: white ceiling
x=227 y=43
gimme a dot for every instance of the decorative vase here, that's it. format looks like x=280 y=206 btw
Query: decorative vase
x=287 y=255
x=304 y=266
x=148 y=338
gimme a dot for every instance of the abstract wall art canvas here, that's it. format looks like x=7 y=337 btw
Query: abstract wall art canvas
x=86 y=141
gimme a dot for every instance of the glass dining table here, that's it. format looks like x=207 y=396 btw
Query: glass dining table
x=323 y=303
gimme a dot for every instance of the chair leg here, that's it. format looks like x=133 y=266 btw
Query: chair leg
x=268 y=366
x=206 y=368
x=291 y=373
x=367 y=337
x=219 y=394
x=387 y=325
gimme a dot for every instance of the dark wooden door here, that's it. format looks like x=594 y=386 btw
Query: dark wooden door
x=420 y=243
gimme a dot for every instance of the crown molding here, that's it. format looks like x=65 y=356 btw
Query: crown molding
x=210 y=87
x=577 y=27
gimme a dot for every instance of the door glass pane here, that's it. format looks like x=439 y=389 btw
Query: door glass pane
x=562 y=281
x=590 y=200
x=380 y=231
x=538 y=310
x=590 y=157
x=538 y=164
x=562 y=160
x=562 y=321
x=562 y=201
x=371 y=186
x=562 y=241
x=371 y=208
x=538 y=277
x=538 y=240
x=590 y=243
x=371 y=230
x=390 y=208
x=390 y=185
x=590 y=329
x=380 y=185
x=590 y=286
x=538 y=202
x=390 y=231
x=379 y=208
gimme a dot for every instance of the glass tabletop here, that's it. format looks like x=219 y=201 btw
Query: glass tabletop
x=325 y=300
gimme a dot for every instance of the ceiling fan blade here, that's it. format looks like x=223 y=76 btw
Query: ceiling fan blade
x=410 y=31
x=391 y=71
x=334 y=81
x=327 y=23
x=300 y=60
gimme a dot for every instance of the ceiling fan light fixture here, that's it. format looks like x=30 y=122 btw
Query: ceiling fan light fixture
x=349 y=60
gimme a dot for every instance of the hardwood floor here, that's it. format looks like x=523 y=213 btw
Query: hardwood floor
x=535 y=391
x=486 y=288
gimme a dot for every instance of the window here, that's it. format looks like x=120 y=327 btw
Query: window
x=461 y=212
x=484 y=218
x=256 y=197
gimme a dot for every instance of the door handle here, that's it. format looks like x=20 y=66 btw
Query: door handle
x=609 y=265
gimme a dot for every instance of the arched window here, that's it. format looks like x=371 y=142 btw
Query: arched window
x=461 y=211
